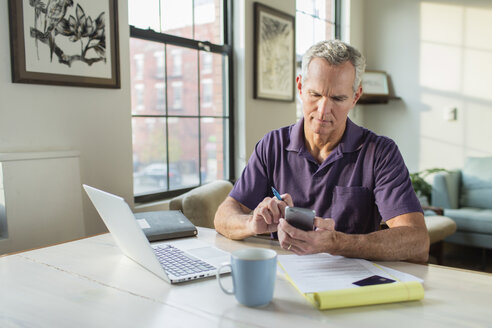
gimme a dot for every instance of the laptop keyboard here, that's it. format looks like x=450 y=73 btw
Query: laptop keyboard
x=176 y=262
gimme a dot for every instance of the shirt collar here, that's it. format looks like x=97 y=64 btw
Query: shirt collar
x=351 y=139
x=296 y=142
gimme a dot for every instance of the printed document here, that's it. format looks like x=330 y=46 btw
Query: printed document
x=325 y=272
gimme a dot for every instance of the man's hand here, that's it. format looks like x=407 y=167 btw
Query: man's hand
x=267 y=214
x=406 y=240
x=236 y=221
x=322 y=239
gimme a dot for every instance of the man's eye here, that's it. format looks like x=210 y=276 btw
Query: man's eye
x=315 y=95
x=337 y=99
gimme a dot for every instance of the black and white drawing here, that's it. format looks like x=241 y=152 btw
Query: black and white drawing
x=274 y=54
x=57 y=27
x=68 y=42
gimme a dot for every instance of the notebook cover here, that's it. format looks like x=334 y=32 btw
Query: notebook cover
x=162 y=225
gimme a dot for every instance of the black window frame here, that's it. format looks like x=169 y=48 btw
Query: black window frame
x=225 y=49
x=338 y=18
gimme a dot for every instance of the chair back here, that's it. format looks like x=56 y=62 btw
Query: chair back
x=200 y=204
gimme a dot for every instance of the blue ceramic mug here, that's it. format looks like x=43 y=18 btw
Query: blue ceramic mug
x=253 y=275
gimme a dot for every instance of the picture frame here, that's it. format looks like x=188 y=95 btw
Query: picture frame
x=375 y=87
x=274 y=54
x=69 y=42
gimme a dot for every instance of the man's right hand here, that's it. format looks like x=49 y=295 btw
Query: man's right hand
x=268 y=213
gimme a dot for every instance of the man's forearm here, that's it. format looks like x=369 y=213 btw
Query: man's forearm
x=232 y=222
x=399 y=243
x=234 y=227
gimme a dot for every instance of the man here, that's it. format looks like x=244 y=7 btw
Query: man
x=351 y=177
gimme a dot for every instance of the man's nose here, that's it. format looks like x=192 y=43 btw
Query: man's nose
x=324 y=107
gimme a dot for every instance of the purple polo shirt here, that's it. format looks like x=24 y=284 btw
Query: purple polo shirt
x=364 y=179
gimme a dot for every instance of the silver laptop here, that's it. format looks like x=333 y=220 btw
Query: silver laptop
x=174 y=261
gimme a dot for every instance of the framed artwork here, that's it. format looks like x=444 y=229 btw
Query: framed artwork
x=65 y=42
x=375 y=83
x=274 y=54
x=375 y=87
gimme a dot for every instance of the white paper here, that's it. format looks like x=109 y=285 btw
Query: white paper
x=143 y=224
x=400 y=276
x=322 y=272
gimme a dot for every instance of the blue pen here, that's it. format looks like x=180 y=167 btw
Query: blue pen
x=275 y=192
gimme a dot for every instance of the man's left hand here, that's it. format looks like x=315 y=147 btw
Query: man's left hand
x=323 y=239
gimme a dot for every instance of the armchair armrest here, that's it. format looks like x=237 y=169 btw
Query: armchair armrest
x=200 y=204
x=446 y=189
x=435 y=209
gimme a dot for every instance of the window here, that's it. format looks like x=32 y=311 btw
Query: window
x=159 y=64
x=316 y=20
x=182 y=125
x=160 y=96
x=207 y=61
x=177 y=95
x=207 y=93
x=139 y=66
x=139 y=97
x=177 y=62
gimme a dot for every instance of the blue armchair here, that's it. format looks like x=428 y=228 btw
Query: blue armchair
x=466 y=196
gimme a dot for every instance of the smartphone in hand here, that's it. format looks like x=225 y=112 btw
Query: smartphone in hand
x=301 y=218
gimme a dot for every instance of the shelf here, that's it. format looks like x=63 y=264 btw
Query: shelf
x=366 y=100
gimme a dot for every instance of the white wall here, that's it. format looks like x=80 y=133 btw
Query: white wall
x=253 y=117
x=41 y=191
x=94 y=121
x=439 y=55
x=352 y=31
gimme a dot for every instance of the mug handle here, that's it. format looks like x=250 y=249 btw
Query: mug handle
x=227 y=291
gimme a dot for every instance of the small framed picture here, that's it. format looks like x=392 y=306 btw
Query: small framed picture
x=375 y=83
x=375 y=88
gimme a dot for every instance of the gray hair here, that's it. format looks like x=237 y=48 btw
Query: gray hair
x=335 y=52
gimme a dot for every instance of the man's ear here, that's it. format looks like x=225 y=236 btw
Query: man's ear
x=299 y=83
x=357 y=94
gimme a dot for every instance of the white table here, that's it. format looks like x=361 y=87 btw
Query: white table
x=90 y=283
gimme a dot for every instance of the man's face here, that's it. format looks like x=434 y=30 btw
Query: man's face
x=327 y=97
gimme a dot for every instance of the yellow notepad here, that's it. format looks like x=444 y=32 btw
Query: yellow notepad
x=312 y=280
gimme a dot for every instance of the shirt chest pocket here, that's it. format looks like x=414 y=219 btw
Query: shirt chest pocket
x=353 y=210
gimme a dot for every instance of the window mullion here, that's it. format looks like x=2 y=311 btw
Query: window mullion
x=199 y=120
x=193 y=18
x=167 y=118
x=228 y=38
x=160 y=15
x=338 y=17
